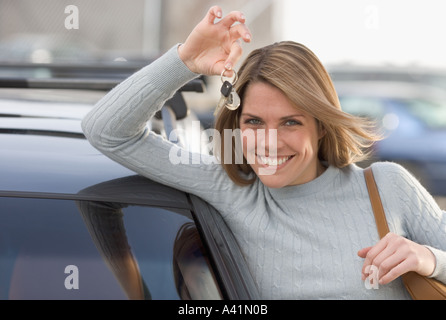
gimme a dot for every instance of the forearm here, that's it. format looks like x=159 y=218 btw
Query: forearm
x=123 y=113
x=117 y=127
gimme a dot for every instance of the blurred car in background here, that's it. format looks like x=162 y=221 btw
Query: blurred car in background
x=36 y=96
x=430 y=76
x=409 y=110
x=44 y=48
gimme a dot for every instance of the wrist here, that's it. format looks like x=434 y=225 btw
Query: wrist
x=184 y=58
x=440 y=263
x=431 y=269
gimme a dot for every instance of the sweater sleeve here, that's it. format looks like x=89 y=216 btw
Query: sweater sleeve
x=117 y=126
x=412 y=212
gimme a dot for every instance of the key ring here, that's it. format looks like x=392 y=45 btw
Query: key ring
x=229 y=97
x=235 y=77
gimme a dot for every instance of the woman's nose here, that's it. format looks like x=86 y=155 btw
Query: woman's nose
x=267 y=142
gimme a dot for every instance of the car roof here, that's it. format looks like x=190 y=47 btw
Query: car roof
x=390 y=89
x=71 y=104
x=42 y=144
x=387 y=73
x=50 y=165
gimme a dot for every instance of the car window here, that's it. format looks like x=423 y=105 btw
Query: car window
x=431 y=113
x=362 y=106
x=64 y=249
x=417 y=113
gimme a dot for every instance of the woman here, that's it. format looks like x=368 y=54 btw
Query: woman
x=299 y=207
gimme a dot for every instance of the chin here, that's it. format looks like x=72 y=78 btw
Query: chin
x=271 y=178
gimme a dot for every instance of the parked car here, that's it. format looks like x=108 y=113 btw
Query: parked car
x=431 y=76
x=412 y=117
x=46 y=48
x=76 y=225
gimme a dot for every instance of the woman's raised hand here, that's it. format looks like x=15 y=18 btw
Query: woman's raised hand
x=214 y=46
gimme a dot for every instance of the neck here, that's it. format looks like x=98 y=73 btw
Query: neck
x=320 y=169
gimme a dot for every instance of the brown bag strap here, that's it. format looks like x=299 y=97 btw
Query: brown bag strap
x=419 y=287
x=375 y=199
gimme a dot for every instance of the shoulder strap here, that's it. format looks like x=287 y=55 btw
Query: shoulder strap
x=378 y=210
x=419 y=287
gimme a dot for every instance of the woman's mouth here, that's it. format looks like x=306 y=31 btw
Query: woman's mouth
x=273 y=161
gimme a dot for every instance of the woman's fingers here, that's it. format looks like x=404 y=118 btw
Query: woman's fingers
x=363 y=252
x=214 y=13
x=231 y=18
x=240 y=31
x=391 y=262
x=234 y=26
x=228 y=21
x=213 y=45
x=392 y=268
x=383 y=255
x=237 y=33
x=234 y=55
x=372 y=252
x=393 y=256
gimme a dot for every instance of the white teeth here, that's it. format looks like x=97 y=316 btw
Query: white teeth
x=273 y=161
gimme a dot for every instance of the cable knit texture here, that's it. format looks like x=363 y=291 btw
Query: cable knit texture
x=300 y=242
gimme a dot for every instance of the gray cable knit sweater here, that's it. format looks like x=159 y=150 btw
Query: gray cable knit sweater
x=300 y=242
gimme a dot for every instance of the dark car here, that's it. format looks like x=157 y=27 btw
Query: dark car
x=412 y=117
x=76 y=225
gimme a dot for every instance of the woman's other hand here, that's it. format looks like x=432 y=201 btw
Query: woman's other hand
x=394 y=256
x=214 y=46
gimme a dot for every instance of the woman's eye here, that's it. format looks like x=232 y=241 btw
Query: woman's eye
x=253 y=121
x=293 y=123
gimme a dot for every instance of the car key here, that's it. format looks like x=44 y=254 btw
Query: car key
x=225 y=90
x=229 y=97
x=233 y=101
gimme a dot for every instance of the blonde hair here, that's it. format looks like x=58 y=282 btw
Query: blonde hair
x=298 y=73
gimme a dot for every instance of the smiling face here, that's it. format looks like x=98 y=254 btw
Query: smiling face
x=290 y=158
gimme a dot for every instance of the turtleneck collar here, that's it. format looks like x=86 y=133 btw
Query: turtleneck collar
x=315 y=185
